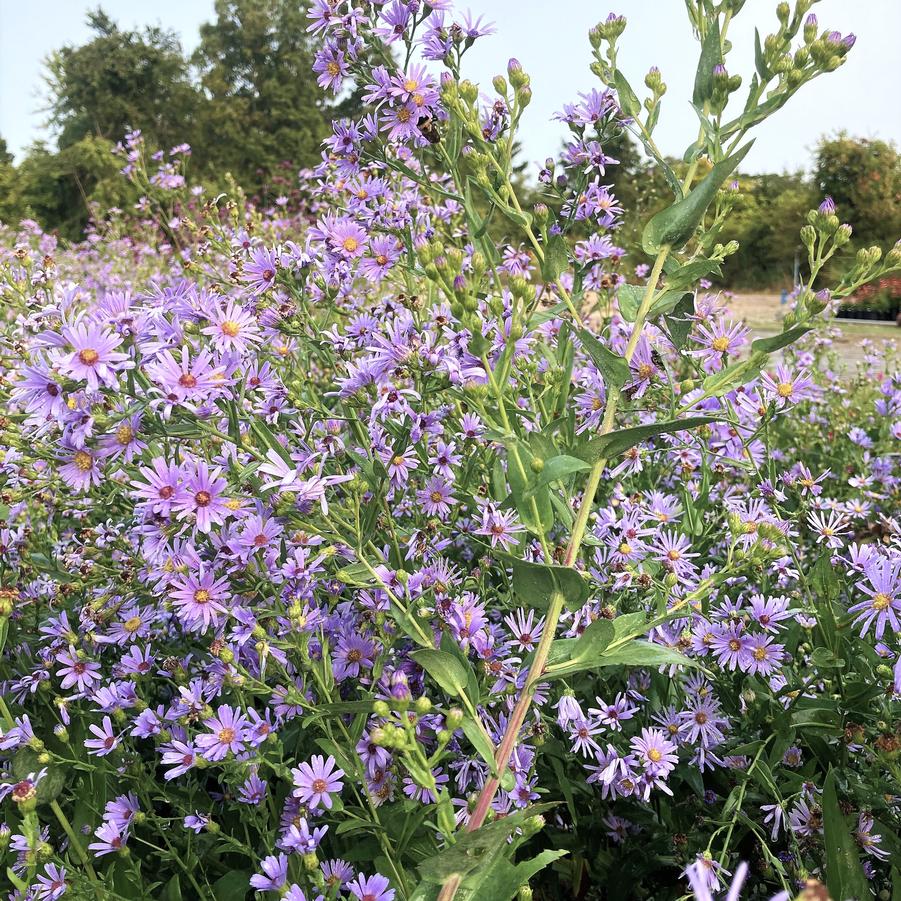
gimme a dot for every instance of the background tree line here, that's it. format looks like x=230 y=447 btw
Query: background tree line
x=247 y=102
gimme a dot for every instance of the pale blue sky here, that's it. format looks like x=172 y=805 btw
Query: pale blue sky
x=549 y=38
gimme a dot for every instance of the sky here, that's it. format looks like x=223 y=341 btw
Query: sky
x=549 y=37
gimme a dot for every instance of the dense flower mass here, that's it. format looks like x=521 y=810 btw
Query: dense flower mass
x=413 y=545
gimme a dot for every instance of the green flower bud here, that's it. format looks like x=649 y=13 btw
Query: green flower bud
x=422 y=705
x=808 y=236
x=537 y=464
x=842 y=235
x=783 y=11
x=500 y=85
x=469 y=91
x=453 y=718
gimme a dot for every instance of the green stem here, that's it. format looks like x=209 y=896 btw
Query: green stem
x=74 y=841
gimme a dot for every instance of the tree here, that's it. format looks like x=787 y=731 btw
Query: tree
x=120 y=80
x=863 y=177
x=262 y=104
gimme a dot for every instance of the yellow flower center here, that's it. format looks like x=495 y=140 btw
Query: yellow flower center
x=88 y=356
x=201 y=596
x=654 y=755
x=83 y=460
x=333 y=68
x=881 y=601
x=350 y=244
x=132 y=625
x=226 y=736
x=784 y=389
x=124 y=434
x=230 y=328
x=721 y=345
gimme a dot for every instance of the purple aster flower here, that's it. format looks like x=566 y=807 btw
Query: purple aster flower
x=500 y=525
x=201 y=497
x=200 y=599
x=76 y=671
x=315 y=781
x=111 y=840
x=94 y=357
x=353 y=653
x=52 y=883
x=375 y=888
x=655 y=752
x=233 y=328
x=226 y=733
x=179 y=755
x=274 y=875
x=105 y=741
x=436 y=497
x=260 y=271
x=883 y=587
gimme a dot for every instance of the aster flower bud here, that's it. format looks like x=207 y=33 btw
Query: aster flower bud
x=453 y=718
x=468 y=91
x=525 y=95
x=595 y=37
x=614 y=26
x=783 y=11
x=842 y=235
x=810 y=29
x=500 y=85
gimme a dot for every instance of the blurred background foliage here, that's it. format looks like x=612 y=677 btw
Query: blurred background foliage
x=247 y=102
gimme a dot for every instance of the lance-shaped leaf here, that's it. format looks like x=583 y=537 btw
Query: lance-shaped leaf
x=446 y=669
x=711 y=56
x=573 y=655
x=613 y=444
x=777 y=342
x=675 y=225
x=844 y=875
x=536 y=583
x=629 y=299
x=612 y=366
x=556 y=468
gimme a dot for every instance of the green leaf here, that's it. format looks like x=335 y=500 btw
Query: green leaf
x=444 y=668
x=844 y=875
x=628 y=100
x=534 y=508
x=172 y=891
x=503 y=880
x=675 y=225
x=479 y=739
x=777 y=342
x=685 y=275
x=557 y=468
x=476 y=850
x=613 y=444
x=711 y=56
x=679 y=322
x=537 y=583
x=629 y=299
x=233 y=886
x=25 y=762
x=269 y=441
x=573 y=655
x=556 y=258
x=612 y=366
x=733 y=376
x=759 y=59
x=644 y=653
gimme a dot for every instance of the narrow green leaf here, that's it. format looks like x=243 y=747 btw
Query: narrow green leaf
x=676 y=225
x=444 y=668
x=613 y=444
x=711 y=56
x=612 y=366
x=777 y=342
x=556 y=258
x=557 y=468
x=844 y=875
x=628 y=100
x=536 y=583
